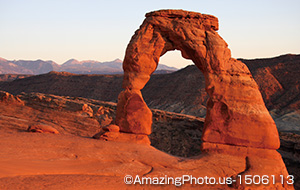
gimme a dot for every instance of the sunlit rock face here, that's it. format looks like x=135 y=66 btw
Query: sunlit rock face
x=236 y=113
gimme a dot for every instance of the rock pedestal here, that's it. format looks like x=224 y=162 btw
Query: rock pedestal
x=133 y=115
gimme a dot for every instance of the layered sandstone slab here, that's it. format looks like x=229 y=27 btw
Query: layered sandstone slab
x=46 y=161
x=236 y=113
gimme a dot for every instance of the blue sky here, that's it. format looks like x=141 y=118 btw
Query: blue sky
x=59 y=30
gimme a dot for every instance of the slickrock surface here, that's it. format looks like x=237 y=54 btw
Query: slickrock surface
x=181 y=133
x=73 y=160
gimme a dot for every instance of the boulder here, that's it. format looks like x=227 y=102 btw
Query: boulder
x=111 y=128
x=122 y=137
x=105 y=116
x=42 y=129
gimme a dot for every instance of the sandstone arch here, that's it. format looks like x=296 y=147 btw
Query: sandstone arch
x=236 y=114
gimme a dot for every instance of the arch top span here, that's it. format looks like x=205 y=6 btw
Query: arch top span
x=208 y=21
x=192 y=33
x=236 y=113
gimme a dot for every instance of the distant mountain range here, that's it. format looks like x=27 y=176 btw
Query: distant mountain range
x=73 y=66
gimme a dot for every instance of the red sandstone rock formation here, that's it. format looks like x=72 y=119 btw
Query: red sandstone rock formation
x=236 y=113
x=237 y=121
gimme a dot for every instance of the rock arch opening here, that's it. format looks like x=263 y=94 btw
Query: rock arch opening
x=181 y=92
x=176 y=59
x=236 y=114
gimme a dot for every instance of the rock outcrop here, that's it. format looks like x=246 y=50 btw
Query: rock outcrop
x=10 y=99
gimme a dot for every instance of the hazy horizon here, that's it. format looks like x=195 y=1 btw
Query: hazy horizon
x=100 y=30
x=187 y=61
